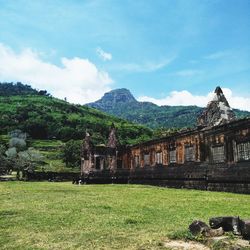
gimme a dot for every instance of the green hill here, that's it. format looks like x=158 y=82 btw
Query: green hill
x=45 y=117
x=121 y=103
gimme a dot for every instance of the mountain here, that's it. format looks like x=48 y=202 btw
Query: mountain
x=121 y=103
x=116 y=97
x=45 y=117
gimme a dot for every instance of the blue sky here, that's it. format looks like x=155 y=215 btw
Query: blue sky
x=158 y=49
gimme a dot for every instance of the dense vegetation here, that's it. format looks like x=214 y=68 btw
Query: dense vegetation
x=10 y=89
x=121 y=103
x=65 y=216
x=54 y=130
x=45 y=117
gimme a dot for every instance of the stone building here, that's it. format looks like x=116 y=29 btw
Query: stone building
x=101 y=157
x=215 y=155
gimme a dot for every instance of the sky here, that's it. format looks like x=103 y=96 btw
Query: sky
x=170 y=52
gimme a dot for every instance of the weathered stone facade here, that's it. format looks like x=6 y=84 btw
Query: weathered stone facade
x=101 y=157
x=87 y=153
x=228 y=143
x=213 y=156
x=217 y=112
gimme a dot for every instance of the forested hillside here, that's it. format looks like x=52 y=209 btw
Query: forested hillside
x=121 y=103
x=45 y=117
x=10 y=89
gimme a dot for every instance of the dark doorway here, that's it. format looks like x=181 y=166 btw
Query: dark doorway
x=97 y=163
x=119 y=163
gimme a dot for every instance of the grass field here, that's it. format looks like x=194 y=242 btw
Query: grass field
x=41 y=215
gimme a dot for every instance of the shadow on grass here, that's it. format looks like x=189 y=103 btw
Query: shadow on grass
x=5 y=213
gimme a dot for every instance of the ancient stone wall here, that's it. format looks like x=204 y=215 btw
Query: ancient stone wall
x=216 y=158
x=221 y=177
x=212 y=145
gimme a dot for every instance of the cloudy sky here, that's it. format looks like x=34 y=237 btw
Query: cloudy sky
x=172 y=52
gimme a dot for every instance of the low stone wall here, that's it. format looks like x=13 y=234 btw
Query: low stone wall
x=217 y=177
x=50 y=176
x=221 y=177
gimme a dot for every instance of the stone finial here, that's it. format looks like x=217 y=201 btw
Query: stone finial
x=87 y=146
x=218 y=90
x=217 y=111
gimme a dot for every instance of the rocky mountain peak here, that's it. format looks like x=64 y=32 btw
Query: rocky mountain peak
x=121 y=103
x=119 y=96
x=114 y=98
x=217 y=111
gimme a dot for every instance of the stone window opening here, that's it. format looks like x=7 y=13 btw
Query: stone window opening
x=137 y=161
x=146 y=159
x=243 y=151
x=172 y=156
x=218 y=154
x=119 y=163
x=158 y=158
x=189 y=153
x=97 y=162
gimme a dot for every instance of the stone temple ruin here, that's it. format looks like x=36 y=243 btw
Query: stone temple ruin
x=213 y=156
x=217 y=111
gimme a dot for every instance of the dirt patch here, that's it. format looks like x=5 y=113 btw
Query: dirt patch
x=227 y=243
x=184 y=245
x=223 y=242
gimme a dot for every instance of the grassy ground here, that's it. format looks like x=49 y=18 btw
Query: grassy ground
x=64 y=216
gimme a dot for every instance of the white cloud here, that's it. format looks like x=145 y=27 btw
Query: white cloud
x=105 y=56
x=217 y=55
x=148 y=66
x=77 y=79
x=184 y=98
x=188 y=72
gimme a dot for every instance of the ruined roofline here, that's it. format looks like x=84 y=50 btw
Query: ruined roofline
x=217 y=111
x=161 y=139
x=190 y=132
x=218 y=90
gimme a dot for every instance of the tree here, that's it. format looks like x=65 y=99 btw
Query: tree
x=71 y=153
x=37 y=128
x=3 y=160
x=66 y=133
x=18 y=157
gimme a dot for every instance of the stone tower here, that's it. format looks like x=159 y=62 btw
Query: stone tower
x=112 y=140
x=217 y=111
x=86 y=154
x=113 y=144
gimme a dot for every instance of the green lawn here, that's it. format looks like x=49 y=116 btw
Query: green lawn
x=41 y=215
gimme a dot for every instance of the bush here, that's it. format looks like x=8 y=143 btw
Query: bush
x=71 y=153
x=19 y=144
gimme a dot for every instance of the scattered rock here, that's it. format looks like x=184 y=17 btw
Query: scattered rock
x=228 y=223
x=198 y=227
x=245 y=229
x=214 y=237
x=233 y=224
x=214 y=232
